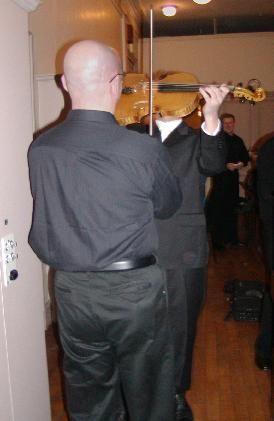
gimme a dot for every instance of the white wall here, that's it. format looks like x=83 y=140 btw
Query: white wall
x=217 y=58
x=24 y=392
x=252 y=121
x=70 y=21
x=67 y=22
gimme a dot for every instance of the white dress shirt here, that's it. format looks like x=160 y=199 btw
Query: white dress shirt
x=166 y=125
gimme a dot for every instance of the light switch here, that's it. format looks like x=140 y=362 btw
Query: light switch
x=9 y=258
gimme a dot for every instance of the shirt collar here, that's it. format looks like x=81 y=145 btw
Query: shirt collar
x=92 y=115
x=166 y=126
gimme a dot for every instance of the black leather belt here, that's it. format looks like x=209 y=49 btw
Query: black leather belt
x=129 y=264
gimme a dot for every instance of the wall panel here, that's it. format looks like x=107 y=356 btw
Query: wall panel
x=68 y=21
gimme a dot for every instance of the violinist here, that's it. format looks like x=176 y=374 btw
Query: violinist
x=97 y=187
x=183 y=252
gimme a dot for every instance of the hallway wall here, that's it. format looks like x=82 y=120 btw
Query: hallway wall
x=69 y=21
x=217 y=58
x=24 y=377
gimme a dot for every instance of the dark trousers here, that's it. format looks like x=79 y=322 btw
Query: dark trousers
x=186 y=291
x=222 y=215
x=115 y=332
x=264 y=342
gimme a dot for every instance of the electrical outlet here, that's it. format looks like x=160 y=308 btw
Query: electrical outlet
x=9 y=258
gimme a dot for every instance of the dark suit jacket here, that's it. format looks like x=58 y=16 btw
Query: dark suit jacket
x=225 y=192
x=194 y=155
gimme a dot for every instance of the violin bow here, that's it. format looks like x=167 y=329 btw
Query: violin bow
x=150 y=75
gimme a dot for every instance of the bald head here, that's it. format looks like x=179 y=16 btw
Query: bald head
x=88 y=68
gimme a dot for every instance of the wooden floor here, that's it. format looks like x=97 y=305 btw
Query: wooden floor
x=227 y=386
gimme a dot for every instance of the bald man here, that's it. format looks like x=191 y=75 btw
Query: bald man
x=97 y=188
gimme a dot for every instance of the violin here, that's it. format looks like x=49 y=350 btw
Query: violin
x=175 y=94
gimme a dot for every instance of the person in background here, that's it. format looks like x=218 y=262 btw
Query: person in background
x=183 y=252
x=96 y=190
x=265 y=192
x=223 y=202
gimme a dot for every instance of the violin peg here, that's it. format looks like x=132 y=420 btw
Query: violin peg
x=253 y=84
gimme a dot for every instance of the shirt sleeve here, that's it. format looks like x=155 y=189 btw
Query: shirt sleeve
x=217 y=130
x=243 y=153
x=212 y=153
x=166 y=194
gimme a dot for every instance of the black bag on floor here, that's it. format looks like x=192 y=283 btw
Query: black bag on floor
x=245 y=299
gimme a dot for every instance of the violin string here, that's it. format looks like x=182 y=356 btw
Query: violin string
x=190 y=88
x=179 y=86
x=197 y=85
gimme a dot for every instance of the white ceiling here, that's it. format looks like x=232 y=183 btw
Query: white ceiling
x=218 y=16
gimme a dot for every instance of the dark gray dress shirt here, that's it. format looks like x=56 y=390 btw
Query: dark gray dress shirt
x=96 y=188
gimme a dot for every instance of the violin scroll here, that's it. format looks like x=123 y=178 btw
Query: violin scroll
x=245 y=94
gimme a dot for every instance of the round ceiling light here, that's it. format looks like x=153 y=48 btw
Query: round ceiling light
x=202 y=1
x=169 y=10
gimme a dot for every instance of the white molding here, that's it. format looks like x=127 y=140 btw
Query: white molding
x=28 y=5
x=42 y=77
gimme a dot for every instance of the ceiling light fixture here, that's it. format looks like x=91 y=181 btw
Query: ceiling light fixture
x=169 y=10
x=202 y=1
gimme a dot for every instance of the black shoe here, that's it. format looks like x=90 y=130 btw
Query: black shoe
x=183 y=410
